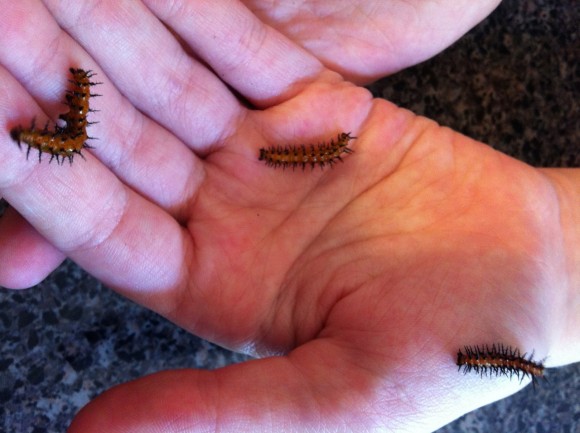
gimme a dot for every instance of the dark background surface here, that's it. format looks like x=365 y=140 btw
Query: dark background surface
x=512 y=82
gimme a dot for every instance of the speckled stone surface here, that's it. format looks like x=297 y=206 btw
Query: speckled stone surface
x=70 y=338
x=513 y=82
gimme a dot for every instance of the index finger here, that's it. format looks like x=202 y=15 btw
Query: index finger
x=258 y=61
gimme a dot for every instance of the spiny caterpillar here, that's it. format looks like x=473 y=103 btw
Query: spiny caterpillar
x=66 y=141
x=498 y=360
x=294 y=156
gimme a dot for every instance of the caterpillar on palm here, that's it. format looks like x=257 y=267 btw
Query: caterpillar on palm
x=295 y=156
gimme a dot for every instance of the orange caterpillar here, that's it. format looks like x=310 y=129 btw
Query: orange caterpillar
x=63 y=142
x=323 y=154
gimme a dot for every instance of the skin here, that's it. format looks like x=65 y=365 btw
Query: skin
x=366 y=40
x=357 y=279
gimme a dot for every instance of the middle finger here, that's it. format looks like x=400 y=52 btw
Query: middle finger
x=148 y=64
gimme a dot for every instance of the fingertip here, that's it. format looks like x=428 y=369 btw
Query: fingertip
x=27 y=258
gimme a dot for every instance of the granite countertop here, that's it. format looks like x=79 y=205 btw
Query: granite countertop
x=513 y=82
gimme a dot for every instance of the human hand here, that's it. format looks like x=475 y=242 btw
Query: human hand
x=361 y=40
x=352 y=275
x=364 y=40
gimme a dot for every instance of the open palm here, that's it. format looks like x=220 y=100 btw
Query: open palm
x=365 y=278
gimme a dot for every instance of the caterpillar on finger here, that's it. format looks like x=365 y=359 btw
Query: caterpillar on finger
x=64 y=142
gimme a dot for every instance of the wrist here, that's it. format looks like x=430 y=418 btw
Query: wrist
x=566 y=184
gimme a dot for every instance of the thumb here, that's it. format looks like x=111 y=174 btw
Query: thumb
x=300 y=391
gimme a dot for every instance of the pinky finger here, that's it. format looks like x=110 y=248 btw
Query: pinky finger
x=26 y=258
